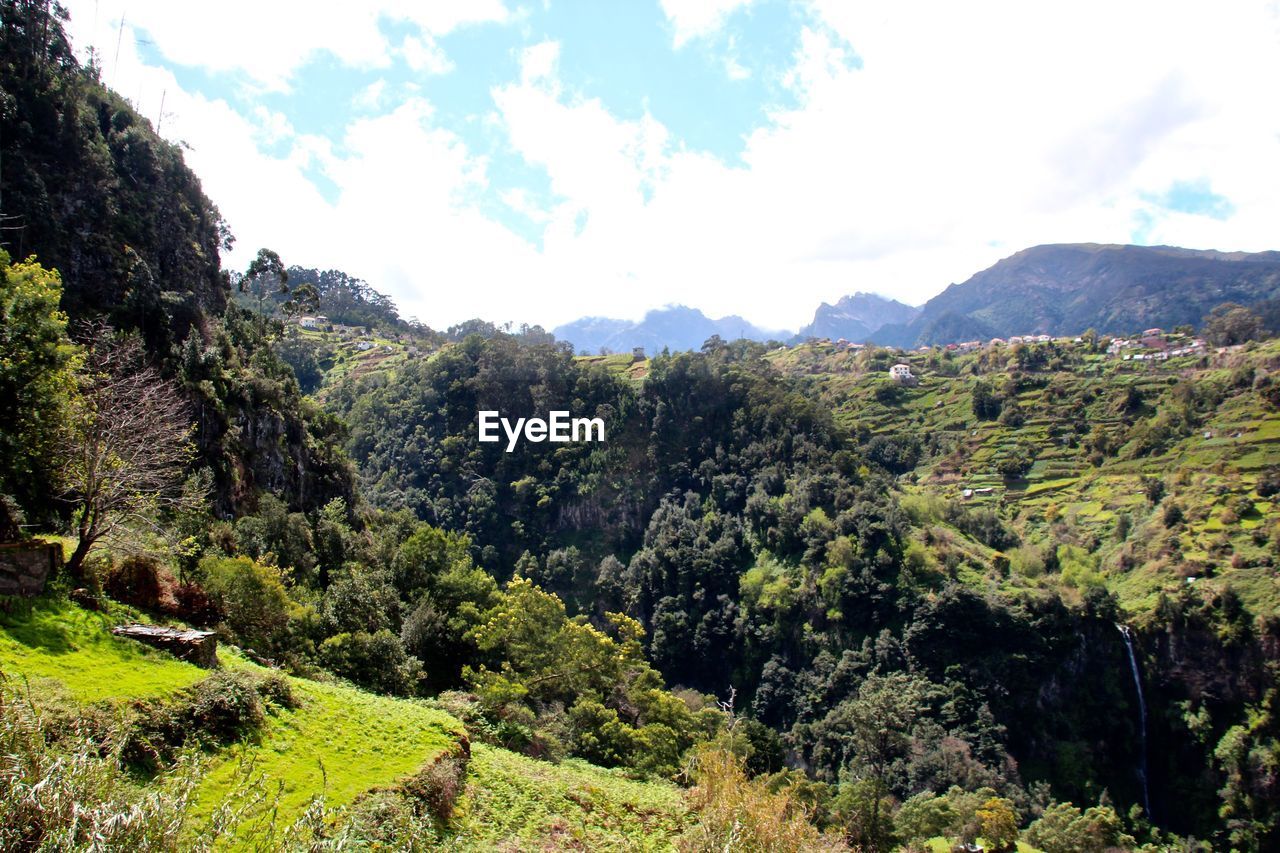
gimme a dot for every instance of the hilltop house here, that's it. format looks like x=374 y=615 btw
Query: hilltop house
x=901 y=373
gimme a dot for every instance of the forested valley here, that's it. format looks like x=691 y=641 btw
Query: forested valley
x=1028 y=600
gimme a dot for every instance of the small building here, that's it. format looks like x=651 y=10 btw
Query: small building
x=364 y=346
x=309 y=322
x=901 y=373
x=996 y=342
x=1153 y=331
x=637 y=353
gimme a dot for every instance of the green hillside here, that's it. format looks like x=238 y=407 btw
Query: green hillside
x=1097 y=431
x=338 y=745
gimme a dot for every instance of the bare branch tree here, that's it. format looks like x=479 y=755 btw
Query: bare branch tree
x=128 y=445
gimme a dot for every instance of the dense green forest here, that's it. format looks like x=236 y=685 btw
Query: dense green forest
x=789 y=603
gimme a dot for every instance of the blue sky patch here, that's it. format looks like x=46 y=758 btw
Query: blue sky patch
x=1193 y=197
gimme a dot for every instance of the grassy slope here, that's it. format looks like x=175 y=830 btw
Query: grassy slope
x=514 y=802
x=1205 y=475
x=59 y=641
x=343 y=742
x=340 y=743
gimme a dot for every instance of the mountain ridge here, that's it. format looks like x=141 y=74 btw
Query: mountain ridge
x=1066 y=288
x=1053 y=288
x=674 y=327
x=856 y=317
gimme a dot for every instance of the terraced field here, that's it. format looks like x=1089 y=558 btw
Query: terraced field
x=1071 y=493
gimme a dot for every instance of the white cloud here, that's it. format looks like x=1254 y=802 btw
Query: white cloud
x=425 y=56
x=539 y=61
x=372 y=97
x=692 y=19
x=269 y=41
x=969 y=132
x=734 y=69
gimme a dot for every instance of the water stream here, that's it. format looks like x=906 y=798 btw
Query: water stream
x=1142 y=717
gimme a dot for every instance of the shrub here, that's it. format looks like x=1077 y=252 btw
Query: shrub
x=252 y=598
x=276 y=688
x=439 y=785
x=1269 y=482
x=226 y=706
x=385 y=819
x=143 y=582
x=71 y=793
x=734 y=812
x=376 y=661
x=195 y=605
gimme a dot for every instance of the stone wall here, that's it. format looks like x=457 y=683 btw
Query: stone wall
x=25 y=567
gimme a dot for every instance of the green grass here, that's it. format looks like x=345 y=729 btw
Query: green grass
x=58 y=640
x=516 y=803
x=339 y=744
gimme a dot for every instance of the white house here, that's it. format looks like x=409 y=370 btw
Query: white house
x=901 y=373
x=308 y=323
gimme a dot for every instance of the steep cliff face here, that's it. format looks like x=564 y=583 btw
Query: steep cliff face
x=98 y=195
x=254 y=447
x=1087 y=716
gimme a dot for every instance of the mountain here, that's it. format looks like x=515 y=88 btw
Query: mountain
x=856 y=317
x=674 y=327
x=1066 y=288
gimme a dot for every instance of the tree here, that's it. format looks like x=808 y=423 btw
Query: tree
x=924 y=815
x=877 y=726
x=126 y=445
x=265 y=280
x=36 y=377
x=999 y=823
x=1230 y=324
x=1015 y=464
x=986 y=405
x=1063 y=828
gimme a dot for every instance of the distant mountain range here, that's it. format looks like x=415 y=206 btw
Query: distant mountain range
x=1060 y=289
x=857 y=317
x=1065 y=289
x=674 y=327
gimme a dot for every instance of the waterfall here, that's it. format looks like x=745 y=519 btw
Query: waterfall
x=1142 y=717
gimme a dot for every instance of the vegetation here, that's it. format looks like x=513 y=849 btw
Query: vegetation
x=787 y=604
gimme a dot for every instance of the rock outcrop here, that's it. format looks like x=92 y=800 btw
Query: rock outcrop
x=197 y=647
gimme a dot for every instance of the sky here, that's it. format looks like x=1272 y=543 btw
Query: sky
x=541 y=161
